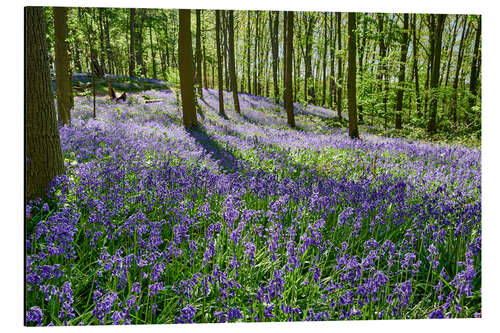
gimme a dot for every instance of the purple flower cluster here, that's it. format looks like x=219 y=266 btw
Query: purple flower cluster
x=244 y=219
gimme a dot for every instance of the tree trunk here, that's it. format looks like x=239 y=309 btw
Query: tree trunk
x=44 y=159
x=288 y=103
x=453 y=102
x=102 y=54
x=325 y=46
x=139 y=59
x=224 y=50
x=153 y=55
x=198 y=54
x=351 y=79
x=436 y=60
x=332 y=64
x=308 y=85
x=474 y=73
x=401 y=78
x=186 y=69
x=64 y=84
x=220 y=78
x=131 y=67
x=453 y=38
x=273 y=29
x=339 y=66
x=249 y=73
x=415 y=65
x=256 y=45
x=232 y=70
x=362 y=48
x=205 y=80
x=109 y=52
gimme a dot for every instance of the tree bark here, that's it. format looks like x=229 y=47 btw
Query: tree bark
x=64 y=84
x=288 y=19
x=44 y=159
x=131 y=59
x=139 y=59
x=401 y=78
x=436 y=60
x=186 y=69
x=351 y=80
x=256 y=46
x=415 y=64
x=198 y=54
x=102 y=54
x=232 y=70
x=474 y=73
x=325 y=46
x=249 y=73
x=460 y=56
x=153 y=55
x=109 y=52
x=220 y=78
x=339 y=66
x=308 y=85
x=332 y=64
x=273 y=29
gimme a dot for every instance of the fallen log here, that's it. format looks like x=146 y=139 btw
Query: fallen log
x=153 y=101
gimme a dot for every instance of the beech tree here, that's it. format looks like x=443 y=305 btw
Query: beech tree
x=401 y=77
x=351 y=79
x=131 y=68
x=64 y=86
x=44 y=159
x=220 y=79
x=436 y=61
x=232 y=71
x=186 y=71
x=198 y=53
x=288 y=37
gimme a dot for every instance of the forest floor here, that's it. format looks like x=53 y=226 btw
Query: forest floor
x=245 y=219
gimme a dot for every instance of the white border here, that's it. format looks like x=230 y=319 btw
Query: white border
x=12 y=74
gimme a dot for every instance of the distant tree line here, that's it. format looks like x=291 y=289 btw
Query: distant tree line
x=388 y=70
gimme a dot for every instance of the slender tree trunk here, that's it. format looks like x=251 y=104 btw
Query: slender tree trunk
x=288 y=20
x=273 y=29
x=436 y=53
x=452 y=47
x=153 y=55
x=139 y=51
x=249 y=73
x=332 y=64
x=109 y=52
x=415 y=65
x=308 y=85
x=474 y=73
x=44 y=159
x=213 y=76
x=325 y=46
x=256 y=45
x=402 y=67
x=198 y=53
x=101 y=39
x=186 y=71
x=232 y=71
x=220 y=78
x=64 y=84
x=351 y=80
x=131 y=67
x=362 y=48
x=453 y=102
x=76 y=48
x=339 y=66
x=205 y=80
